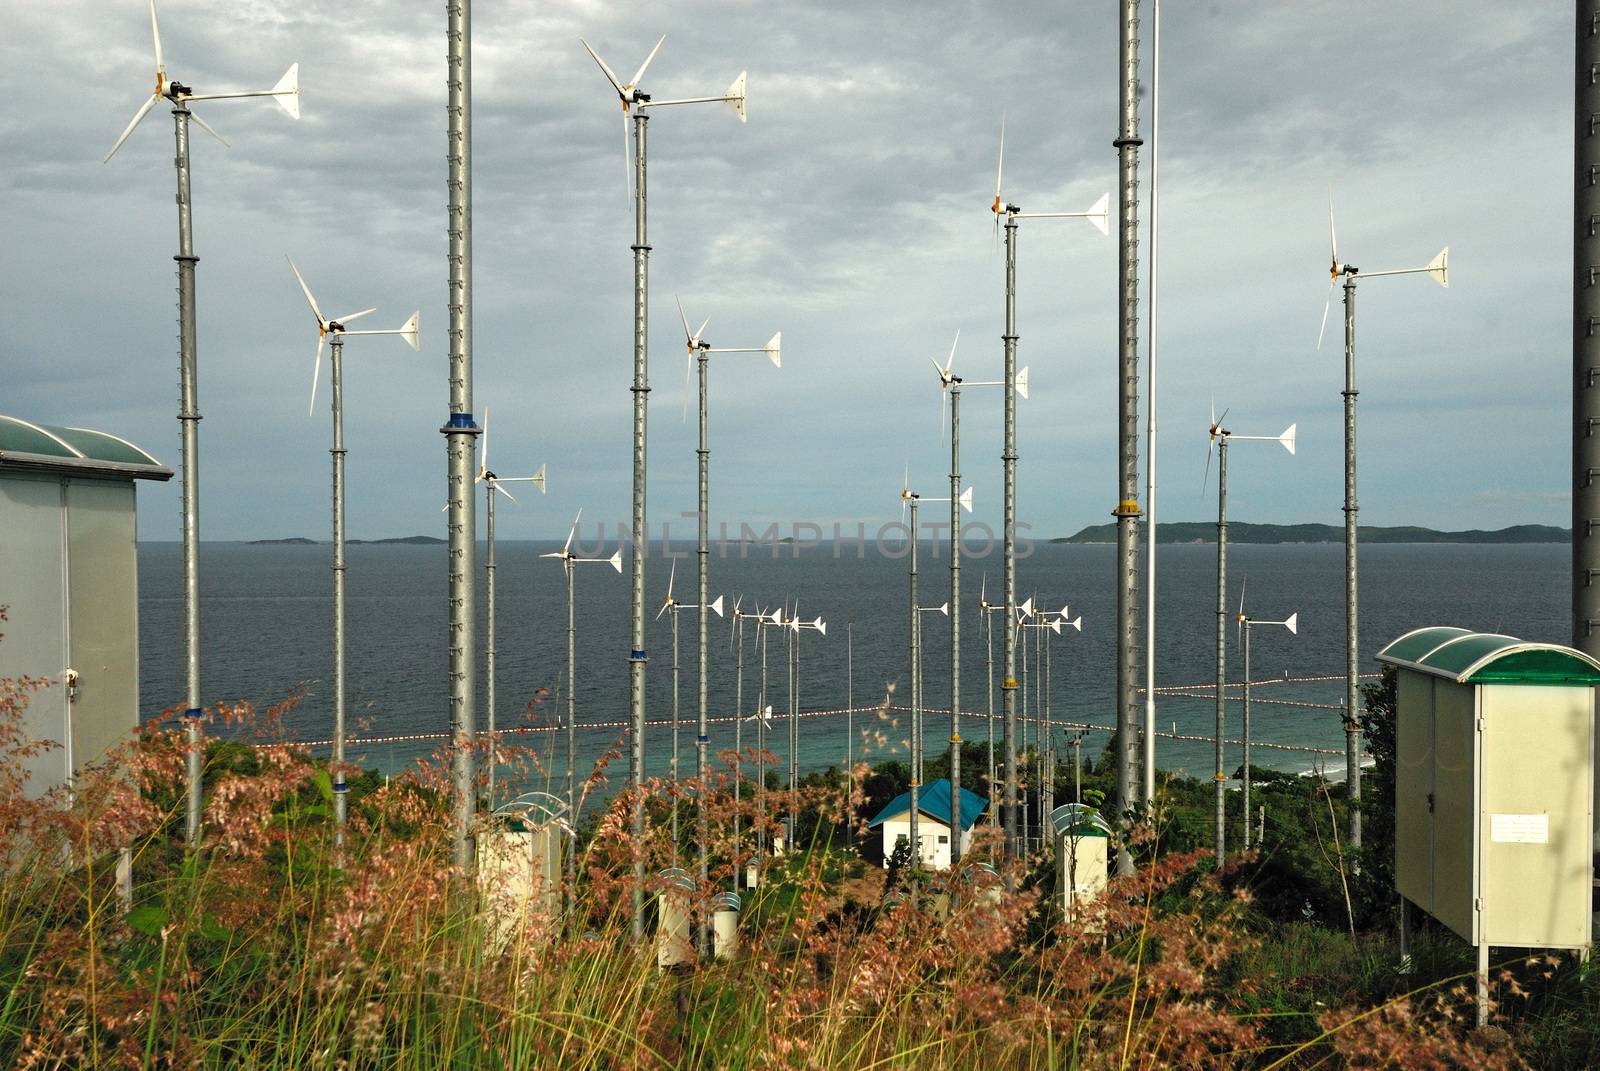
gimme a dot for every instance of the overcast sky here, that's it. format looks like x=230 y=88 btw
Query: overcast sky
x=851 y=213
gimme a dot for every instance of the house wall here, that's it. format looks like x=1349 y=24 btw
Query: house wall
x=935 y=852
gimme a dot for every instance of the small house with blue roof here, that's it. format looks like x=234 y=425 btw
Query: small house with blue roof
x=933 y=823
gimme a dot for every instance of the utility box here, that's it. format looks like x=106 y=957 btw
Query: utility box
x=1494 y=786
x=1083 y=867
x=69 y=579
x=520 y=854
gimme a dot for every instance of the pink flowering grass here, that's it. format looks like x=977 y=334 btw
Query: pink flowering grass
x=267 y=950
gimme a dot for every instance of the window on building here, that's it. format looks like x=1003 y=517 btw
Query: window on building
x=943 y=839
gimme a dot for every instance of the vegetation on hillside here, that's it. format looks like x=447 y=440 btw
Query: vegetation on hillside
x=270 y=948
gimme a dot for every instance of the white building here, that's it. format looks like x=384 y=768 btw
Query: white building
x=69 y=581
x=933 y=822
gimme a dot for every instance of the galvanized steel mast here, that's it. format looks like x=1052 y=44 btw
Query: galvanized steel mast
x=916 y=695
x=1008 y=682
x=1352 y=724
x=1221 y=776
x=637 y=659
x=460 y=430
x=189 y=422
x=336 y=378
x=1127 y=511
x=955 y=619
x=1585 y=332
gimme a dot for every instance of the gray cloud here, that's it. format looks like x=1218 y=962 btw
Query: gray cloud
x=851 y=212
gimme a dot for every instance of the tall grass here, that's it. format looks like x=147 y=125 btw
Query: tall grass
x=264 y=950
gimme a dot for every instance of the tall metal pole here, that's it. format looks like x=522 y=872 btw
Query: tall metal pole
x=703 y=552
x=1008 y=682
x=336 y=367
x=738 y=738
x=1352 y=724
x=189 y=423
x=674 y=733
x=1148 y=755
x=916 y=697
x=955 y=622
x=1246 y=841
x=637 y=659
x=1127 y=511
x=1585 y=333
x=761 y=742
x=988 y=639
x=488 y=633
x=1221 y=775
x=850 y=705
x=572 y=723
x=794 y=732
x=461 y=429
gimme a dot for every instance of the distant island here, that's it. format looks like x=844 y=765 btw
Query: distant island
x=1244 y=532
x=302 y=541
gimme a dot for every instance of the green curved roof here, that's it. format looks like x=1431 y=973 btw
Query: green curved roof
x=25 y=445
x=1489 y=658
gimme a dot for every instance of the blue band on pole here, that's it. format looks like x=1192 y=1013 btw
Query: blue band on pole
x=702 y=738
x=462 y=420
x=341 y=786
x=194 y=712
x=637 y=656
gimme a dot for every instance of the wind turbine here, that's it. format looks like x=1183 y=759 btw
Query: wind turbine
x=287 y=94
x=736 y=639
x=951 y=384
x=333 y=333
x=629 y=94
x=1098 y=215
x=699 y=352
x=1245 y=624
x=1437 y=269
x=987 y=609
x=1219 y=437
x=796 y=625
x=568 y=561
x=673 y=605
x=492 y=486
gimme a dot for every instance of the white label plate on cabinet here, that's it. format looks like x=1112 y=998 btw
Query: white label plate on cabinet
x=1519 y=828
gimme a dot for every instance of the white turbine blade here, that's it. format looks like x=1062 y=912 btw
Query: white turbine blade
x=983 y=590
x=567 y=546
x=1000 y=169
x=610 y=77
x=1100 y=214
x=316 y=373
x=944 y=373
x=1022 y=384
x=687 y=337
x=342 y=320
x=637 y=75
x=496 y=485
x=207 y=128
x=716 y=606
x=700 y=334
x=1242 y=585
x=138 y=117
x=1333 y=238
x=1287 y=438
x=155 y=32
x=551 y=554
x=671 y=579
x=966 y=500
x=1326 y=305
x=774 y=350
x=306 y=290
x=1438 y=268
x=616 y=560
x=664 y=608
x=1293 y=624
x=410 y=331
x=735 y=96
x=287 y=91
